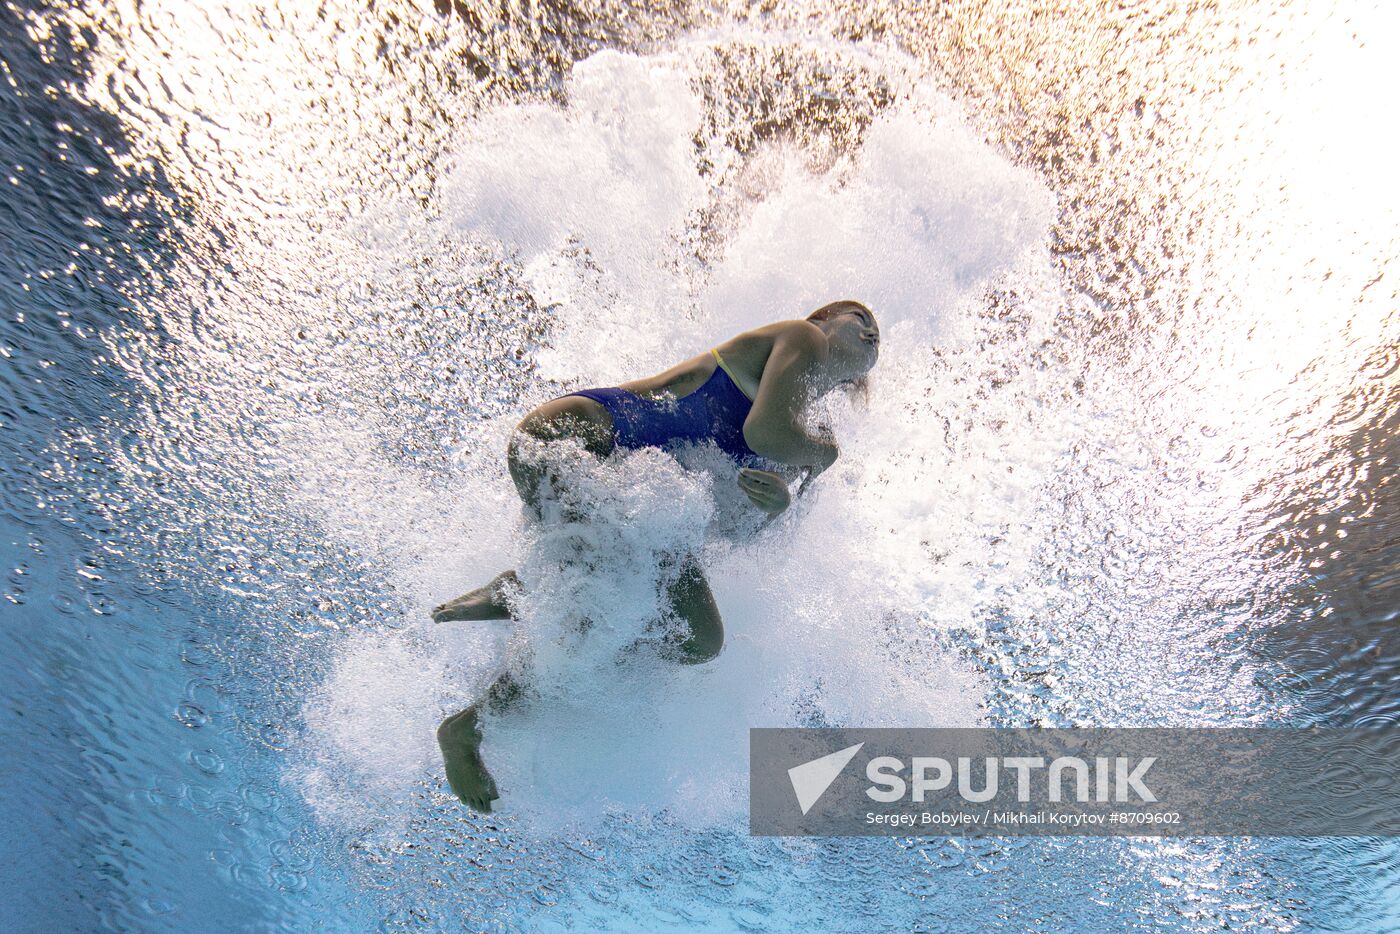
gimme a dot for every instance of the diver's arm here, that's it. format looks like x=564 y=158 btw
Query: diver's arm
x=771 y=429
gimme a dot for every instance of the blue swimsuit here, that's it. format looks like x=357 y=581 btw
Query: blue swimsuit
x=714 y=412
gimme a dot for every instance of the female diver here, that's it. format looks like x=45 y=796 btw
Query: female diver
x=746 y=396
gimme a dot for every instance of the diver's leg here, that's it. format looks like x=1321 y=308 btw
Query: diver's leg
x=692 y=601
x=459 y=738
x=571 y=417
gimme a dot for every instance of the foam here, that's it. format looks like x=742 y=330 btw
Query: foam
x=832 y=615
x=924 y=216
x=614 y=173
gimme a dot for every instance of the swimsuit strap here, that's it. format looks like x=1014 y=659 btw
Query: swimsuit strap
x=728 y=372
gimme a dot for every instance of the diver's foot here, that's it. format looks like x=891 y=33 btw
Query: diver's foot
x=459 y=737
x=488 y=602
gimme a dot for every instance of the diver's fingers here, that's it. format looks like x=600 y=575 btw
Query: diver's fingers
x=755 y=481
x=761 y=500
x=755 y=488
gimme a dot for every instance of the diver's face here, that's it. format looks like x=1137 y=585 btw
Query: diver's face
x=854 y=334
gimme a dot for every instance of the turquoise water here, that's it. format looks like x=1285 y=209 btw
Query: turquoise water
x=278 y=281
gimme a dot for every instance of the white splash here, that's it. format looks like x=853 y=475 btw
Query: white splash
x=828 y=615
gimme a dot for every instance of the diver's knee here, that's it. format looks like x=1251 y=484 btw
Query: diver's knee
x=689 y=652
x=700 y=655
x=705 y=643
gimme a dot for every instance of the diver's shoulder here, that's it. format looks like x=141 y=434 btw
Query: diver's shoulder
x=797 y=331
x=801 y=335
x=750 y=350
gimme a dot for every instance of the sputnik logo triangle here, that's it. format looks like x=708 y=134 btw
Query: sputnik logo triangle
x=810 y=780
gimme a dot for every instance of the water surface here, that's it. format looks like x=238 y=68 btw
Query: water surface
x=278 y=281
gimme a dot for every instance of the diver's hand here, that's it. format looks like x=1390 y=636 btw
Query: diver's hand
x=767 y=490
